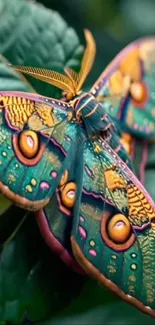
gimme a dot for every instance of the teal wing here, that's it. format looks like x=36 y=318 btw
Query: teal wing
x=37 y=144
x=126 y=88
x=123 y=152
x=113 y=235
x=55 y=219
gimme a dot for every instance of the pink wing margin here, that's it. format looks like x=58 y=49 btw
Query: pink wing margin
x=103 y=78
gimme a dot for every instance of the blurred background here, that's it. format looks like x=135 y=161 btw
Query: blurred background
x=114 y=23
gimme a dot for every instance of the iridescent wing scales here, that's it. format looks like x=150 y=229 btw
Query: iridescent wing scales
x=55 y=219
x=126 y=88
x=125 y=153
x=113 y=227
x=37 y=140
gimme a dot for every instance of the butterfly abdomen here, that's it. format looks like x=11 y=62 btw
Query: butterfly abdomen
x=18 y=109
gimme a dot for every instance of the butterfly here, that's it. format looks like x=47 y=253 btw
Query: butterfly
x=64 y=158
x=131 y=74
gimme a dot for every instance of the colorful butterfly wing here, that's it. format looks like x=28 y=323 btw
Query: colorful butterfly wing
x=127 y=88
x=55 y=219
x=37 y=143
x=121 y=148
x=113 y=235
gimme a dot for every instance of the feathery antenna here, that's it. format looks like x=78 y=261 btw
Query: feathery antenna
x=88 y=58
x=72 y=82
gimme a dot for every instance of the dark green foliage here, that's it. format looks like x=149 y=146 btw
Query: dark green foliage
x=33 y=35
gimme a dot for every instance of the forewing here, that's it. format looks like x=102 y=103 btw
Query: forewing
x=113 y=235
x=126 y=88
x=37 y=143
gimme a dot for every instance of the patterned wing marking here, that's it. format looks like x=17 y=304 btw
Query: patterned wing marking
x=55 y=220
x=127 y=87
x=37 y=139
x=113 y=239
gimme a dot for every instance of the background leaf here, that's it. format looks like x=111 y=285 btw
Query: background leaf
x=33 y=35
x=33 y=281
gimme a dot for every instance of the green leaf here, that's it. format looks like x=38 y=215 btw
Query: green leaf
x=97 y=306
x=9 y=222
x=33 y=35
x=10 y=80
x=33 y=281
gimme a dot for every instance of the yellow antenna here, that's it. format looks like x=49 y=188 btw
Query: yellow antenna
x=87 y=62
x=88 y=59
x=73 y=75
x=51 y=77
x=72 y=82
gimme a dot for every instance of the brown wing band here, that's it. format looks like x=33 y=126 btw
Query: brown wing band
x=21 y=201
x=94 y=272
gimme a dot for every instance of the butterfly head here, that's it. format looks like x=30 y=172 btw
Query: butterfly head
x=71 y=82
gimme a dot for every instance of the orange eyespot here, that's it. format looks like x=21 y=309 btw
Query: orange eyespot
x=117 y=232
x=127 y=142
x=139 y=93
x=68 y=195
x=64 y=178
x=28 y=148
x=119 y=228
x=28 y=143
